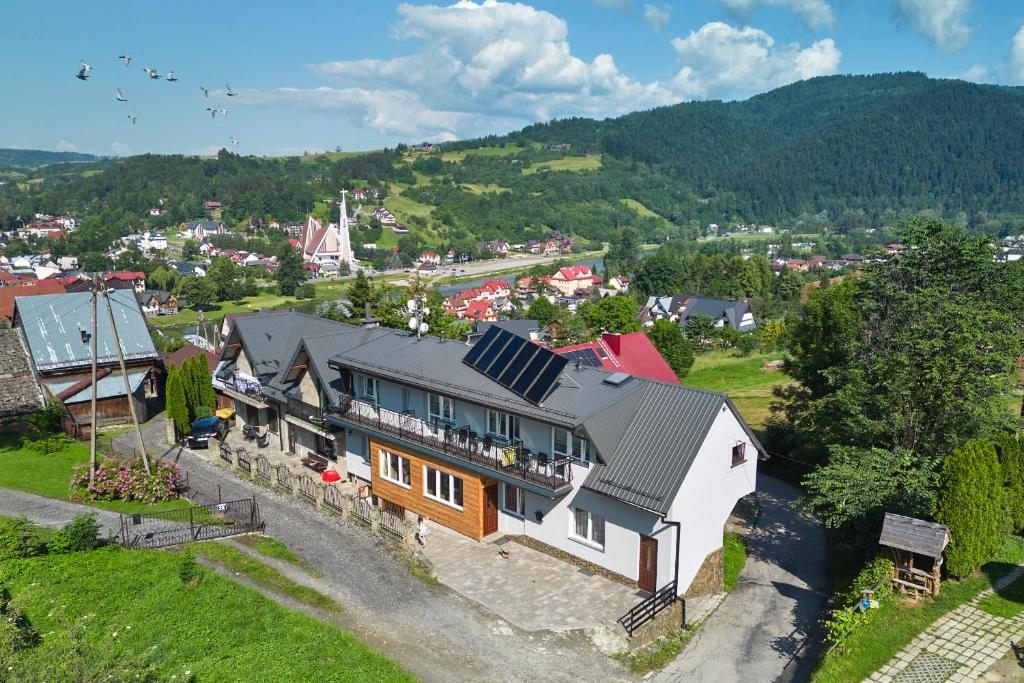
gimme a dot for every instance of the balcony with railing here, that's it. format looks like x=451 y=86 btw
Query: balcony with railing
x=245 y=388
x=507 y=460
x=306 y=412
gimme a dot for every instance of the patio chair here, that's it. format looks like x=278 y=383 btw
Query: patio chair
x=263 y=440
x=248 y=432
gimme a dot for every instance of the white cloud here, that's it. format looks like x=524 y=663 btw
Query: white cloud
x=1016 y=63
x=120 y=149
x=976 y=74
x=721 y=61
x=815 y=14
x=656 y=17
x=942 y=22
x=65 y=146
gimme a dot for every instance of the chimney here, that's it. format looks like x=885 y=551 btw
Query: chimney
x=612 y=341
x=369 y=321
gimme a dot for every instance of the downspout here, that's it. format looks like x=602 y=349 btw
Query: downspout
x=679 y=542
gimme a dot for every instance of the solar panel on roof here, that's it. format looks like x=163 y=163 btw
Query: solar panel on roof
x=585 y=356
x=513 y=362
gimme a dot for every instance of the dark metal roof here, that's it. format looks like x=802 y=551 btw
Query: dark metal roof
x=914 y=535
x=271 y=337
x=317 y=351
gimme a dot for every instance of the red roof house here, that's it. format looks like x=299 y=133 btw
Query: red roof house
x=633 y=353
x=8 y=294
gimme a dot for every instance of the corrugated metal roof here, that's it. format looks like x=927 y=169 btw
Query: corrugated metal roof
x=271 y=337
x=319 y=350
x=110 y=386
x=53 y=326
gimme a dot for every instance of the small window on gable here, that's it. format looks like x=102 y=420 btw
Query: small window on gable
x=739 y=453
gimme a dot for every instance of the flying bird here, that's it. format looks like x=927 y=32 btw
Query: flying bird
x=223 y=111
x=234 y=142
x=82 y=74
x=151 y=72
x=229 y=92
x=132 y=119
x=213 y=112
x=171 y=76
x=120 y=96
x=127 y=59
x=86 y=67
x=206 y=91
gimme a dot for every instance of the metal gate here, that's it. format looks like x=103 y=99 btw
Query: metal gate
x=284 y=478
x=333 y=497
x=191 y=524
x=307 y=488
x=263 y=468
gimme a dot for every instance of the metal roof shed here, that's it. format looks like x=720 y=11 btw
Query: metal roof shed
x=907 y=537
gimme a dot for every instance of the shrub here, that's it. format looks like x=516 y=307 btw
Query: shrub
x=305 y=291
x=842 y=623
x=746 y=343
x=80 y=534
x=188 y=569
x=47 y=445
x=1011 y=459
x=127 y=480
x=971 y=505
x=16 y=631
x=18 y=539
x=877 y=571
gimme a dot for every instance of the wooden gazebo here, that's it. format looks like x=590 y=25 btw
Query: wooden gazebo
x=910 y=538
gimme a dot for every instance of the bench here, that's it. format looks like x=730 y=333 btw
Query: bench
x=315 y=462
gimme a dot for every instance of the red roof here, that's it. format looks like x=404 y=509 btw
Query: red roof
x=187 y=352
x=9 y=279
x=494 y=285
x=633 y=353
x=8 y=294
x=575 y=273
x=479 y=310
x=125 y=275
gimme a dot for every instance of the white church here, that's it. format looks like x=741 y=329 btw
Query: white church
x=322 y=245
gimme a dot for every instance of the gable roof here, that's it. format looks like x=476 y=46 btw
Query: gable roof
x=270 y=337
x=188 y=351
x=720 y=309
x=9 y=294
x=574 y=273
x=633 y=353
x=914 y=535
x=53 y=325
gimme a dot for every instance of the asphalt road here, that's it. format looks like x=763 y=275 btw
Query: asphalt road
x=766 y=630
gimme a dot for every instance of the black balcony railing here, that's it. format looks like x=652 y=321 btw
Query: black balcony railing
x=511 y=459
x=305 y=411
x=240 y=384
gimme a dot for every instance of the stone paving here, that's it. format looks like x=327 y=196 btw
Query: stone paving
x=960 y=646
x=531 y=590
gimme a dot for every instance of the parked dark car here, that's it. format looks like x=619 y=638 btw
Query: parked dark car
x=204 y=429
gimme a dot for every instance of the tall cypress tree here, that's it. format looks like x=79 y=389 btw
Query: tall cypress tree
x=971 y=505
x=177 y=409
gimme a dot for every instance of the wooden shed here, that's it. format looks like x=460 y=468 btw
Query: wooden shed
x=912 y=539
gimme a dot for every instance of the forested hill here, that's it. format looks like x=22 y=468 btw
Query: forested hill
x=33 y=158
x=871 y=143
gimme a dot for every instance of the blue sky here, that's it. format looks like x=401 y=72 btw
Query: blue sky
x=316 y=75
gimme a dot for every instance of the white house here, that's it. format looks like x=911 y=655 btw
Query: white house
x=633 y=475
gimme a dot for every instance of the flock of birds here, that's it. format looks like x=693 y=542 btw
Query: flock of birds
x=85 y=71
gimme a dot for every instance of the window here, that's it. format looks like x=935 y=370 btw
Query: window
x=588 y=528
x=565 y=444
x=739 y=454
x=515 y=500
x=442 y=487
x=394 y=468
x=503 y=425
x=440 y=409
x=370 y=389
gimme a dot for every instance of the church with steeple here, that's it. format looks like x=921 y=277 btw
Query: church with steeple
x=321 y=244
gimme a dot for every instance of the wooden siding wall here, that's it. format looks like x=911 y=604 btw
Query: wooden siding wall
x=468 y=521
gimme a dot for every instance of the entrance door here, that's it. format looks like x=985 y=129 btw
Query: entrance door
x=490 y=509
x=648 y=564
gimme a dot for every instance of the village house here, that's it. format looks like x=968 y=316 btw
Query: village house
x=384 y=216
x=56 y=329
x=155 y=211
x=505 y=437
x=155 y=302
x=479 y=310
x=185 y=269
x=571 y=279
x=681 y=307
x=134 y=280
x=212 y=209
x=633 y=353
x=201 y=229
x=431 y=258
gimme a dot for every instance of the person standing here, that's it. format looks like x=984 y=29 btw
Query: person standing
x=422 y=531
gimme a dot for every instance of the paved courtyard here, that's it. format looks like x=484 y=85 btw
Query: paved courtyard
x=960 y=646
x=531 y=590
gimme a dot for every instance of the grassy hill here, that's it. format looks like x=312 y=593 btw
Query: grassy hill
x=34 y=158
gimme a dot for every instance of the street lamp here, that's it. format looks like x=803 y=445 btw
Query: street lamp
x=418 y=313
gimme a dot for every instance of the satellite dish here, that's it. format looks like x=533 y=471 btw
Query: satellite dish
x=411 y=304
x=412 y=324
x=423 y=328
x=425 y=311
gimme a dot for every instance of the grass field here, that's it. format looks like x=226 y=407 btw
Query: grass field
x=587 y=163
x=50 y=475
x=481 y=188
x=734 y=557
x=481 y=151
x=895 y=624
x=112 y=614
x=1008 y=603
x=744 y=378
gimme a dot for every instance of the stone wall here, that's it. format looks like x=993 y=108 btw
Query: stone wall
x=710 y=577
x=667 y=620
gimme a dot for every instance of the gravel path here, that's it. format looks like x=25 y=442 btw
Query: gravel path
x=766 y=628
x=432 y=632
x=50 y=512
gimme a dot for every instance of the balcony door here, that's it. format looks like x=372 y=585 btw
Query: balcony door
x=648 y=564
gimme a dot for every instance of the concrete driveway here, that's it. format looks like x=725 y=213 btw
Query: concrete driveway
x=766 y=630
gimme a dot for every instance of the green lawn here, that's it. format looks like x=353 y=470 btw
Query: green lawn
x=50 y=475
x=1009 y=602
x=482 y=151
x=103 y=612
x=271 y=547
x=894 y=624
x=734 y=557
x=587 y=163
x=743 y=378
x=644 y=211
x=481 y=188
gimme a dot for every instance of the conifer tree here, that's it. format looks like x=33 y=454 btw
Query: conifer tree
x=971 y=505
x=177 y=409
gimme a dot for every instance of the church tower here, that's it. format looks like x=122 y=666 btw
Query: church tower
x=346 y=243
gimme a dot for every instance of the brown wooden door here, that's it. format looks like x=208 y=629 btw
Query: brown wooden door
x=490 y=509
x=648 y=564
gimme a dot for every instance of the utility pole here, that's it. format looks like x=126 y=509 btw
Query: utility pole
x=96 y=284
x=127 y=383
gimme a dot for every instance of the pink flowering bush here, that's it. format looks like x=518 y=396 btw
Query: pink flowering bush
x=127 y=480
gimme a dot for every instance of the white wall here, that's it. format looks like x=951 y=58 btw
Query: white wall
x=710 y=492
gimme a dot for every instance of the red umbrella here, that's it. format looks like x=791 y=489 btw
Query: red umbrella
x=331 y=475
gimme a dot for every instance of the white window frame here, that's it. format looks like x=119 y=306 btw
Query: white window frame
x=442 y=402
x=503 y=421
x=439 y=476
x=402 y=466
x=365 y=392
x=577 y=449
x=593 y=522
x=519 y=509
